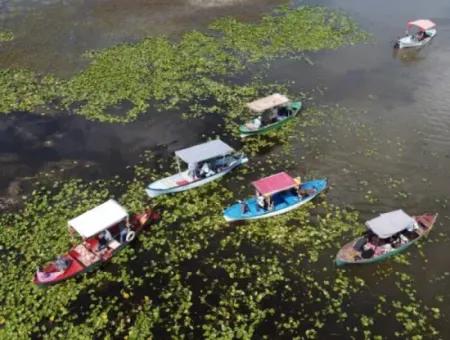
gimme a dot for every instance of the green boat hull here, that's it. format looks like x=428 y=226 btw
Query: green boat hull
x=294 y=106
x=342 y=258
x=380 y=258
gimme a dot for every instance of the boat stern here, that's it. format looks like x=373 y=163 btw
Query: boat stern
x=296 y=106
x=318 y=184
x=406 y=41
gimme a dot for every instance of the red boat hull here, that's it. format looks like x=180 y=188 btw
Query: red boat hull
x=86 y=256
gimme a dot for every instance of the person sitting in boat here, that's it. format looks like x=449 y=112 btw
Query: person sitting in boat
x=103 y=239
x=368 y=250
x=205 y=170
x=62 y=263
x=257 y=122
x=244 y=207
x=283 y=112
x=192 y=170
x=403 y=239
x=260 y=201
x=385 y=248
x=268 y=203
x=123 y=232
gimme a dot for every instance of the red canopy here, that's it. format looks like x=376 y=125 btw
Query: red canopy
x=423 y=24
x=275 y=183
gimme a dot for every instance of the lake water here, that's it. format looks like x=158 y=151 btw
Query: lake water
x=397 y=129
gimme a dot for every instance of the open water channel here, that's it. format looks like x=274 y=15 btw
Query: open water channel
x=391 y=151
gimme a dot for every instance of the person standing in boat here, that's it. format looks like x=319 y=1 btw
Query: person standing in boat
x=268 y=203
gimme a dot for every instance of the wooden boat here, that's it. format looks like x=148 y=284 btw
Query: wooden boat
x=281 y=192
x=207 y=162
x=271 y=112
x=87 y=255
x=426 y=30
x=395 y=229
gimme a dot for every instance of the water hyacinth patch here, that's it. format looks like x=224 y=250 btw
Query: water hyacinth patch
x=23 y=90
x=191 y=274
x=194 y=69
x=6 y=36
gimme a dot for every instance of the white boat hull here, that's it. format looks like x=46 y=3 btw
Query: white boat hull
x=155 y=191
x=409 y=41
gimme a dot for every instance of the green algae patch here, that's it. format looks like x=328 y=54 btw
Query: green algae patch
x=6 y=36
x=161 y=74
x=192 y=274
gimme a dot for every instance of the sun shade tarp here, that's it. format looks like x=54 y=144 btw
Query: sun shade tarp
x=266 y=103
x=423 y=24
x=390 y=223
x=275 y=183
x=205 y=151
x=98 y=219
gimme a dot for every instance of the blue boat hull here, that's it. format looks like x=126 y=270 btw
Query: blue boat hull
x=283 y=202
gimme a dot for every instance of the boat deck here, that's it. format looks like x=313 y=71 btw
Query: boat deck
x=176 y=180
x=283 y=201
x=352 y=251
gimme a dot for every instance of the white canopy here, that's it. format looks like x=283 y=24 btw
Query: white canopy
x=205 y=151
x=266 y=103
x=390 y=223
x=98 y=219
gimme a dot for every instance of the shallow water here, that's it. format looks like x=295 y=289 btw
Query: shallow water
x=397 y=126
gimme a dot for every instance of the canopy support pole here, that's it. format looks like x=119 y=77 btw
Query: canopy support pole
x=178 y=164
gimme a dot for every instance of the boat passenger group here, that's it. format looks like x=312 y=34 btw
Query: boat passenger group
x=107 y=228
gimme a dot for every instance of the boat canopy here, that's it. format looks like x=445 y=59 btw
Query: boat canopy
x=390 y=223
x=205 y=151
x=276 y=183
x=98 y=219
x=266 y=103
x=423 y=24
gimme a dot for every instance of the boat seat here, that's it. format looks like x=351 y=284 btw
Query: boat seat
x=84 y=255
x=113 y=244
x=291 y=199
x=91 y=244
x=182 y=182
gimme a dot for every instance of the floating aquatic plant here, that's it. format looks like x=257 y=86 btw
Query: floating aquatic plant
x=6 y=36
x=161 y=74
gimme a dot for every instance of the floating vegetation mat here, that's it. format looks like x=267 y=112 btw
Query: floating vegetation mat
x=197 y=68
x=194 y=276
x=6 y=36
